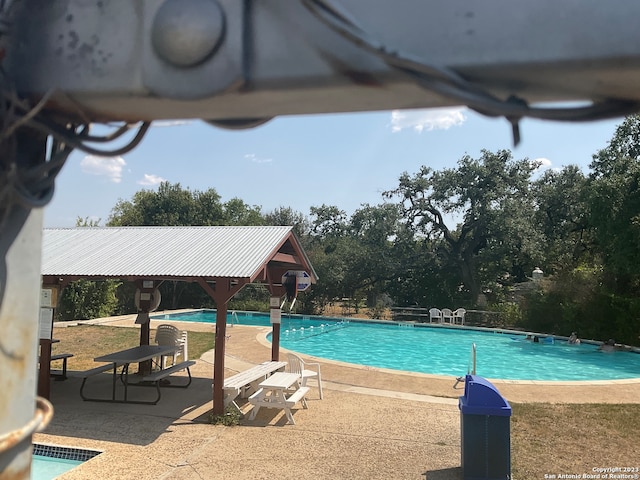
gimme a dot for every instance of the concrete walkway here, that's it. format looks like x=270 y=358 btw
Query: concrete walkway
x=372 y=424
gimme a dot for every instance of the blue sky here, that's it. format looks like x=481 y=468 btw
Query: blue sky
x=344 y=160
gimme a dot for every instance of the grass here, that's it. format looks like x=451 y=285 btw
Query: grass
x=546 y=439
x=549 y=439
x=89 y=341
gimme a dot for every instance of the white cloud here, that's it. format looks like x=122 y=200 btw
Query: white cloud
x=255 y=159
x=150 y=179
x=110 y=167
x=545 y=163
x=429 y=119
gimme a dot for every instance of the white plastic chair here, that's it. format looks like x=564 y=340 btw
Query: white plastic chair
x=297 y=365
x=459 y=315
x=169 y=335
x=447 y=315
x=435 y=314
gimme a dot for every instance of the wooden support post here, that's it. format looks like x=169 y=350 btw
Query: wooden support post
x=275 y=315
x=218 y=366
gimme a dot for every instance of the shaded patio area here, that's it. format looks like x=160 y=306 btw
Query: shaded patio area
x=346 y=435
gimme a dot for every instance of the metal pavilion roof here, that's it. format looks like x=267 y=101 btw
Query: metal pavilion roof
x=169 y=252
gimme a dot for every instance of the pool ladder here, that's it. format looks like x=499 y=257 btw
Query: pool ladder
x=471 y=366
x=234 y=318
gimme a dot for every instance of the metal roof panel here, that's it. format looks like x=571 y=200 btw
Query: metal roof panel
x=228 y=251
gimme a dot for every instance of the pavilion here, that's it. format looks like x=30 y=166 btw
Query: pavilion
x=221 y=259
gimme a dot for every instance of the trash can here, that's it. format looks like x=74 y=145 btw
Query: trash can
x=485 y=435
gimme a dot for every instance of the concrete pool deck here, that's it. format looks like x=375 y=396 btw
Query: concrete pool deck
x=372 y=423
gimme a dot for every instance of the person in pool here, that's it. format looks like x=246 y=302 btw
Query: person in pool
x=573 y=339
x=608 y=346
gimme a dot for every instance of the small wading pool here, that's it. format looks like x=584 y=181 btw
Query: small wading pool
x=436 y=349
x=50 y=461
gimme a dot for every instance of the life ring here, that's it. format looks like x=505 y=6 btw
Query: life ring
x=155 y=299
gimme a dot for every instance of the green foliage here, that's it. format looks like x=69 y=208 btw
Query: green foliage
x=492 y=196
x=576 y=301
x=253 y=297
x=379 y=311
x=510 y=313
x=87 y=222
x=230 y=418
x=615 y=207
x=174 y=205
x=83 y=299
x=286 y=216
x=177 y=294
x=562 y=216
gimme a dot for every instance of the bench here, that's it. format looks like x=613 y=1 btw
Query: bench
x=85 y=374
x=247 y=381
x=260 y=399
x=297 y=396
x=155 y=377
x=60 y=375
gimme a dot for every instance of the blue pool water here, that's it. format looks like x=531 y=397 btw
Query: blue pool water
x=47 y=468
x=50 y=461
x=438 y=350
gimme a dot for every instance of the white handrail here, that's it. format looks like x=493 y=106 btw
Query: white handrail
x=472 y=362
x=234 y=315
x=473 y=359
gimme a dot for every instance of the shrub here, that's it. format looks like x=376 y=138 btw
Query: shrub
x=230 y=418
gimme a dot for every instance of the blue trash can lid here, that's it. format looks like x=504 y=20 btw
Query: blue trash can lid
x=481 y=397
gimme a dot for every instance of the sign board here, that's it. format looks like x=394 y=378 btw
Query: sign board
x=48 y=297
x=303 y=278
x=275 y=315
x=46 y=323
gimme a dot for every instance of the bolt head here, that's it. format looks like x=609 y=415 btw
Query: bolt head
x=186 y=32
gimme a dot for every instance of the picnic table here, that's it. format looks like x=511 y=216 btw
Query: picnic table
x=246 y=382
x=281 y=390
x=125 y=358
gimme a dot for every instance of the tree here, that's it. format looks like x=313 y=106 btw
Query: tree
x=615 y=205
x=330 y=222
x=169 y=205
x=562 y=216
x=84 y=299
x=172 y=205
x=373 y=264
x=236 y=212
x=491 y=200
x=288 y=217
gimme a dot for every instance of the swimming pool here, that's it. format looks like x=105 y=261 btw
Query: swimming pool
x=48 y=468
x=439 y=350
x=50 y=461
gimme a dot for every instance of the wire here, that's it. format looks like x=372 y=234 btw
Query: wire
x=108 y=138
x=451 y=84
x=69 y=137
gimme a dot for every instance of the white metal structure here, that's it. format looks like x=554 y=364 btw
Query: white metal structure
x=168 y=252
